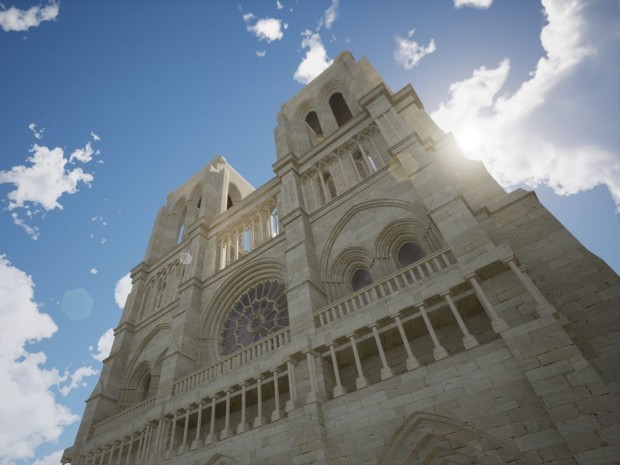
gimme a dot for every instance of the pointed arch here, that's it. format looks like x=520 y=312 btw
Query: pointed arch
x=424 y=437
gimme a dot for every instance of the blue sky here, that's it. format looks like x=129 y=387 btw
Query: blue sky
x=109 y=106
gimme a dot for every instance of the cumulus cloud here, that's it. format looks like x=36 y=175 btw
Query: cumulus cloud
x=14 y=19
x=29 y=411
x=279 y=6
x=104 y=346
x=94 y=271
x=330 y=15
x=408 y=52
x=122 y=290
x=46 y=178
x=95 y=136
x=76 y=379
x=542 y=133
x=269 y=29
x=315 y=61
x=38 y=133
x=482 y=4
x=261 y=53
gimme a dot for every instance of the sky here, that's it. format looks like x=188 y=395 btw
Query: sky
x=107 y=106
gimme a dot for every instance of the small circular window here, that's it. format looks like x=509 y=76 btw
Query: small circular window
x=260 y=311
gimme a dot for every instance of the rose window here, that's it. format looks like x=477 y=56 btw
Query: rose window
x=260 y=311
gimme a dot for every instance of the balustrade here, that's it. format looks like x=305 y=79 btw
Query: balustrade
x=414 y=273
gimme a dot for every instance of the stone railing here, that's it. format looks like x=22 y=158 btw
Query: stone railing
x=414 y=273
x=232 y=361
x=124 y=416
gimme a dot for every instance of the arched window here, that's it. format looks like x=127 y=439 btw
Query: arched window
x=360 y=279
x=409 y=253
x=340 y=109
x=260 y=311
x=312 y=120
x=181 y=232
x=234 y=195
x=144 y=387
x=199 y=203
x=360 y=164
x=329 y=183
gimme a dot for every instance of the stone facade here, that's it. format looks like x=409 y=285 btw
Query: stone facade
x=380 y=301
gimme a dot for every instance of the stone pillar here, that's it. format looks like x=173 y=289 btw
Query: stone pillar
x=183 y=448
x=197 y=442
x=338 y=388
x=386 y=371
x=169 y=452
x=439 y=351
x=361 y=381
x=227 y=432
x=243 y=425
x=412 y=362
x=211 y=438
x=291 y=404
x=497 y=323
x=542 y=305
x=259 y=420
x=277 y=412
x=313 y=395
x=469 y=341
x=129 y=450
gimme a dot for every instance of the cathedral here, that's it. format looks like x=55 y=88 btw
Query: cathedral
x=380 y=301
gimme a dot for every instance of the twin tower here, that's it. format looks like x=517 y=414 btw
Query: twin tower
x=380 y=301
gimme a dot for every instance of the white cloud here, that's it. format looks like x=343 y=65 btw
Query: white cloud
x=95 y=136
x=51 y=459
x=329 y=16
x=44 y=181
x=94 y=271
x=315 y=61
x=409 y=53
x=269 y=29
x=104 y=346
x=29 y=411
x=279 y=6
x=84 y=155
x=14 y=19
x=32 y=231
x=482 y=4
x=122 y=290
x=261 y=53
x=543 y=133
x=38 y=133
x=76 y=379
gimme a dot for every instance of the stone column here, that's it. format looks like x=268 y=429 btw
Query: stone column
x=227 y=432
x=412 y=362
x=169 y=452
x=497 y=323
x=338 y=388
x=183 y=447
x=386 y=372
x=197 y=442
x=543 y=307
x=120 y=452
x=291 y=404
x=129 y=450
x=314 y=389
x=439 y=351
x=469 y=340
x=277 y=412
x=361 y=381
x=160 y=425
x=211 y=438
x=243 y=426
x=259 y=420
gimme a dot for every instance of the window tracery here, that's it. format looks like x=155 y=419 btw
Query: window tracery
x=260 y=311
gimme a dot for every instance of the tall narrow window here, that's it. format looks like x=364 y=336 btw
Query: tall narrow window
x=340 y=109
x=312 y=121
x=360 y=279
x=229 y=203
x=319 y=186
x=145 y=387
x=199 y=203
x=373 y=165
x=409 y=253
x=329 y=184
x=181 y=232
x=360 y=164
x=275 y=228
